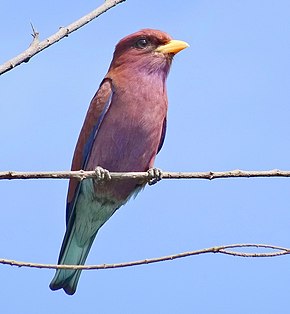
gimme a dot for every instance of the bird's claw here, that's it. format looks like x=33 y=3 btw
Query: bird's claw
x=154 y=175
x=102 y=174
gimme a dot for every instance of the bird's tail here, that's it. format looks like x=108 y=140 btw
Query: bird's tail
x=71 y=254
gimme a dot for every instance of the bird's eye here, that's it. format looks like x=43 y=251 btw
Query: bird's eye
x=142 y=43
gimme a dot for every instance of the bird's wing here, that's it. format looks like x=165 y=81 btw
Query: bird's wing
x=162 y=135
x=95 y=115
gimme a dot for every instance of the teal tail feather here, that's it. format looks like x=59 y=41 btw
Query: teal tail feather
x=71 y=254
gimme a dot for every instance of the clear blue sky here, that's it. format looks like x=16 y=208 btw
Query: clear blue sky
x=229 y=97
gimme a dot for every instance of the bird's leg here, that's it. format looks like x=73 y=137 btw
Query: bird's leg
x=102 y=174
x=154 y=175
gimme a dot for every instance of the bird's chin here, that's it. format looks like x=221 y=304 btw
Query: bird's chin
x=161 y=65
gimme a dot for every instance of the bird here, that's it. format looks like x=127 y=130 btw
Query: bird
x=123 y=131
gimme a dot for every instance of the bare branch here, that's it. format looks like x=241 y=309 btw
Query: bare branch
x=145 y=176
x=36 y=46
x=225 y=249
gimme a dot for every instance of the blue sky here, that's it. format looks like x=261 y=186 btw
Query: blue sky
x=229 y=101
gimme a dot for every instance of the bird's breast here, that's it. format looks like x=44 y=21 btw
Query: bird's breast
x=130 y=133
x=129 y=136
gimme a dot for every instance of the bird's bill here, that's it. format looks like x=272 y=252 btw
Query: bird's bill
x=174 y=46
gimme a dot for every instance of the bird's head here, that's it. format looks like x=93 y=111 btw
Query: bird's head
x=146 y=51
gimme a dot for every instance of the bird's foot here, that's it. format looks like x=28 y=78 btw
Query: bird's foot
x=102 y=174
x=154 y=175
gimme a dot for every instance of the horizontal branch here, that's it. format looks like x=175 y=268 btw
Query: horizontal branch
x=225 y=249
x=36 y=46
x=146 y=176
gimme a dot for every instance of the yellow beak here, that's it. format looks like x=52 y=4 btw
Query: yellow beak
x=174 y=46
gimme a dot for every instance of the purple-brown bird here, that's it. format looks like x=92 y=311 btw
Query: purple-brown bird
x=123 y=131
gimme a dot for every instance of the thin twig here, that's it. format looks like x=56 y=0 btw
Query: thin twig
x=36 y=46
x=278 y=251
x=81 y=174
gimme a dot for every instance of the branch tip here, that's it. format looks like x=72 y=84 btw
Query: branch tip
x=34 y=34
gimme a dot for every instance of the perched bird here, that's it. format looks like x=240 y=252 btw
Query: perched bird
x=123 y=131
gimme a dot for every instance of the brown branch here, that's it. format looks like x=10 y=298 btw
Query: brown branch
x=36 y=46
x=225 y=249
x=81 y=174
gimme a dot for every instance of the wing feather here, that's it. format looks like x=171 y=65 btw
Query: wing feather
x=95 y=115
